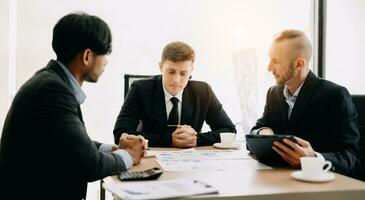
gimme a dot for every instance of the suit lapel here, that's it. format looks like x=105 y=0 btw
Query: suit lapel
x=284 y=106
x=55 y=66
x=186 y=108
x=80 y=114
x=306 y=92
x=158 y=102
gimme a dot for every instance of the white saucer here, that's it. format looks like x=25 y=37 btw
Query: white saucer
x=325 y=177
x=221 y=146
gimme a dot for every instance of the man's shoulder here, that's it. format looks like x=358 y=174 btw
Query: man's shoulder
x=40 y=74
x=198 y=85
x=198 y=88
x=323 y=86
x=332 y=88
x=276 y=89
x=45 y=78
x=330 y=85
x=43 y=84
x=147 y=83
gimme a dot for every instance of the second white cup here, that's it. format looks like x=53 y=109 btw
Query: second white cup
x=227 y=139
x=312 y=167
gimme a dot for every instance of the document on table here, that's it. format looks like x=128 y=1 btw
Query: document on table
x=192 y=154
x=211 y=165
x=207 y=160
x=159 y=189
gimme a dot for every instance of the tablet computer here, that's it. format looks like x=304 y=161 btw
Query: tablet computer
x=261 y=147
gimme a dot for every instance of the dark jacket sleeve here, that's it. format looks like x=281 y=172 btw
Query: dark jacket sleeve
x=344 y=157
x=129 y=118
x=97 y=144
x=264 y=121
x=59 y=109
x=217 y=119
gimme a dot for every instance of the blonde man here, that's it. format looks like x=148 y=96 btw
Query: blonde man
x=172 y=107
x=318 y=112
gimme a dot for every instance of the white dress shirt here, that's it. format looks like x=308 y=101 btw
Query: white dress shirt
x=168 y=103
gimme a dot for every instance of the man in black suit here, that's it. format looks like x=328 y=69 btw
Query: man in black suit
x=318 y=112
x=171 y=107
x=46 y=152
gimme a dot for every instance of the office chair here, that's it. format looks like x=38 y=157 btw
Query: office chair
x=359 y=102
x=129 y=79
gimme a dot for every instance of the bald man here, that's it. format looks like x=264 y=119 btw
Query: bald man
x=318 y=112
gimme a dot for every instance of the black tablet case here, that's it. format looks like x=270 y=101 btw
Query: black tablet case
x=261 y=147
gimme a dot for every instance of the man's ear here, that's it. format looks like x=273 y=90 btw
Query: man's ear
x=86 y=56
x=300 y=63
x=161 y=66
x=192 y=69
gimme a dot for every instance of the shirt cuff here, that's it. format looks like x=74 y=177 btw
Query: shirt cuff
x=106 y=148
x=318 y=155
x=255 y=132
x=127 y=159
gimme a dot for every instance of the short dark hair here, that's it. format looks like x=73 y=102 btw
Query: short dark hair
x=177 y=52
x=78 y=31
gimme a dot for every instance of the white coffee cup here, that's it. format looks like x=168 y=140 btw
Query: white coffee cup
x=227 y=139
x=312 y=167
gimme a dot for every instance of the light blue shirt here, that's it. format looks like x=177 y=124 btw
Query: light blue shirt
x=290 y=99
x=127 y=159
x=79 y=94
x=80 y=98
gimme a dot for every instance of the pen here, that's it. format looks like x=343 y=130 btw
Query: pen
x=170 y=125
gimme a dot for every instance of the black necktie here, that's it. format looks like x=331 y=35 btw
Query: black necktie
x=174 y=114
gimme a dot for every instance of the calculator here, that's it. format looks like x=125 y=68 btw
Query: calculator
x=149 y=174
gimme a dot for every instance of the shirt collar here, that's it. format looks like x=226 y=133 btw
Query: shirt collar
x=168 y=96
x=79 y=94
x=286 y=92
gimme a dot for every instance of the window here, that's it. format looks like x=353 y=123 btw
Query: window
x=345 y=44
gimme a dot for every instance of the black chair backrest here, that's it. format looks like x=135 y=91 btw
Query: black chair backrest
x=128 y=80
x=359 y=102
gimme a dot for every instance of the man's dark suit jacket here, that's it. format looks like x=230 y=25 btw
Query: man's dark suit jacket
x=323 y=114
x=45 y=150
x=146 y=102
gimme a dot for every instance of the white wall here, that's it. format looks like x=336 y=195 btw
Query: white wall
x=4 y=63
x=215 y=29
x=345 y=44
x=231 y=39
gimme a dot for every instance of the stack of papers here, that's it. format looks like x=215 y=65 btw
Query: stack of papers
x=193 y=154
x=159 y=189
x=207 y=160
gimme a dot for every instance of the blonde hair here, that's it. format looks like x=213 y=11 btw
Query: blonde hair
x=177 y=52
x=300 y=45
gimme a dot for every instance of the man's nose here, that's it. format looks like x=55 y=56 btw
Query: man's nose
x=176 y=78
x=269 y=67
